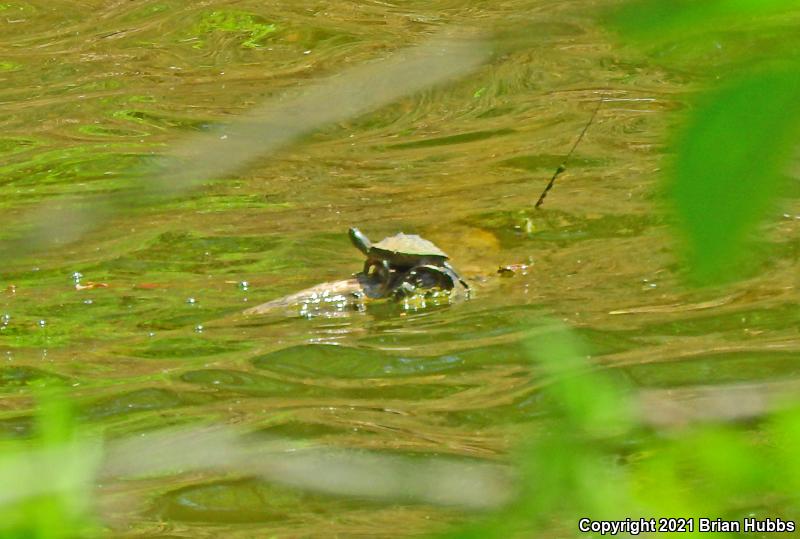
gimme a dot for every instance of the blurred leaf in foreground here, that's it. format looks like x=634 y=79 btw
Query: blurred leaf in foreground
x=566 y=470
x=663 y=20
x=46 y=482
x=730 y=162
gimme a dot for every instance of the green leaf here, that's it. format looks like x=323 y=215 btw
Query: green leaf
x=729 y=165
x=589 y=402
x=661 y=20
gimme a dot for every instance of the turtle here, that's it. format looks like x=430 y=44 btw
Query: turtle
x=393 y=261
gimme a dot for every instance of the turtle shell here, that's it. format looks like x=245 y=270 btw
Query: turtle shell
x=406 y=247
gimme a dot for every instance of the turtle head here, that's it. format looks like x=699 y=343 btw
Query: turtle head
x=361 y=241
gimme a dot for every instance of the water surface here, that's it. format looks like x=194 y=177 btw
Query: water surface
x=92 y=90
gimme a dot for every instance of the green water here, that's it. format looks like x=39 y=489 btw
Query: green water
x=91 y=90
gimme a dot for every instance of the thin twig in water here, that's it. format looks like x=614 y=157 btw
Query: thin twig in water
x=563 y=166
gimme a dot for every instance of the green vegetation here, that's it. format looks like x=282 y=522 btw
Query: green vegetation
x=9 y=66
x=47 y=481
x=732 y=156
x=252 y=27
x=730 y=162
x=595 y=459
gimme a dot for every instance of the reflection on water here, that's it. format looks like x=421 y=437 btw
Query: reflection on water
x=92 y=91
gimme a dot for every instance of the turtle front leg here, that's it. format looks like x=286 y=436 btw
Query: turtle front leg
x=381 y=274
x=385 y=274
